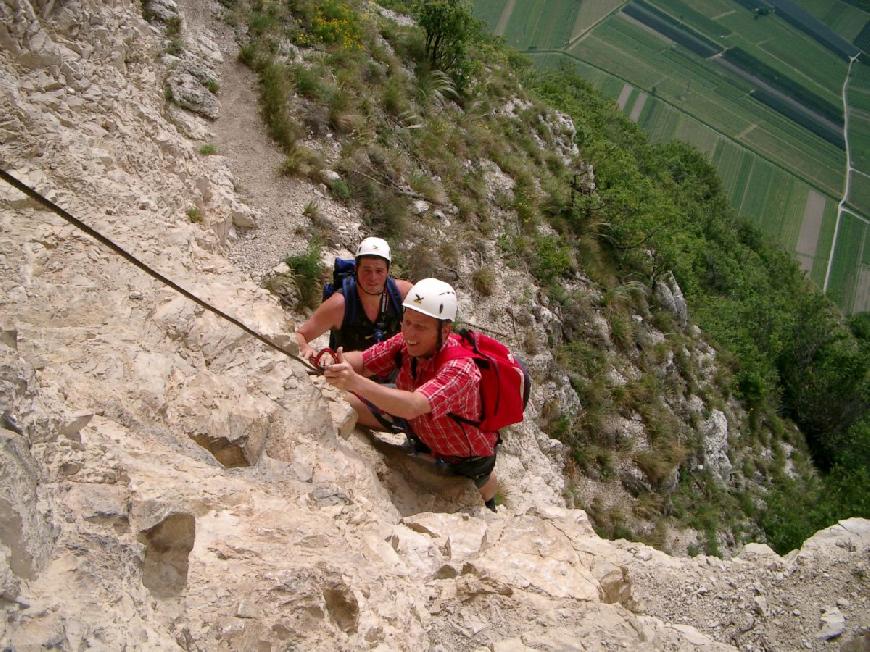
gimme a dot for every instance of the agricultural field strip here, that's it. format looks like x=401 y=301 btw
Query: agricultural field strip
x=648 y=29
x=828 y=129
x=811 y=223
x=746 y=131
x=489 y=11
x=806 y=22
x=856 y=216
x=785 y=83
x=506 y=13
x=746 y=184
x=714 y=78
x=731 y=139
x=690 y=14
x=576 y=39
x=842 y=205
x=770 y=89
x=639 y=103
x=785 y=63
x=844 y=18
x=806 y=156
x=797 y=145
x=623 y=96
x=675 y=29
x=777 y=34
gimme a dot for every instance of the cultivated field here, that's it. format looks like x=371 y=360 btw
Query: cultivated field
x=770 y=125
x=847 y=283
x=590 y=13
x=711 y=94
x=532 y=24
x=490 y=11
x=843 y=18
x=859 y=118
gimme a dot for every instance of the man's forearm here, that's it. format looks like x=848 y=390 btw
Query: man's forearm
x=355 y=359
x=398 y=402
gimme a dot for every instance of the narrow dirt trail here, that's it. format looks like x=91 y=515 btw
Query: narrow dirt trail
x=254 y=160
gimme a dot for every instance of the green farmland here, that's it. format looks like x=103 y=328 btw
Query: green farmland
x=849 y=279
x=777 y=171
x=847 y=20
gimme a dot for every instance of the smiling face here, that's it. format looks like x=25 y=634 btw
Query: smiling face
x=371 y=274
x=421 y=333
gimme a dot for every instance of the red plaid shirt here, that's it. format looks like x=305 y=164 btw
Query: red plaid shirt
x=454 y=388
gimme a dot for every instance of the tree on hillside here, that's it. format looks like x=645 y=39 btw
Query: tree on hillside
x=450 y=28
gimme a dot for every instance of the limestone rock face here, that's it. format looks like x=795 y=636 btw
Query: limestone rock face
x=671 y=296
x=715 y=432
x=167 y=482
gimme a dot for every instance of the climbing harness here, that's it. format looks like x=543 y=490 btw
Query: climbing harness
x=99 y=237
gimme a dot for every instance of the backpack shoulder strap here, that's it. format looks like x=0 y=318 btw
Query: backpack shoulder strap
x=395 y=295
x=351 y=300
x=463 y=350
x=466 y=349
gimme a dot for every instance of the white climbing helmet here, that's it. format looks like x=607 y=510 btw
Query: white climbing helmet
x=432 y=297
x=374 y=247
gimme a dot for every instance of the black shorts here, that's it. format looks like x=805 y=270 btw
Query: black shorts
x=478 y=469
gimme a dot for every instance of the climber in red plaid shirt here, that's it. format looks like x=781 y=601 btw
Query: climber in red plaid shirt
x=424 y=398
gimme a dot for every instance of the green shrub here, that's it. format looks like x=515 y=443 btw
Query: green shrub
x=621 y=329
x=659 y=463
x=431 y=190
x=248 y=55
x=308 y=81
x=394 y=99
x=552 y=259
x=483 y=281
x=307 y=273
x=449 y=253
x=322 y=228
x=339 y=189
x=208 y=149
x=312 y=211
x=610 y=522
x=343 y=116
x=194 y=215
x=301 y=161
x=273 y=96
x=530 y=341
x=664 y=321
x=173 y=26
x=335 y=23
x=389 y=216
x=423 y=262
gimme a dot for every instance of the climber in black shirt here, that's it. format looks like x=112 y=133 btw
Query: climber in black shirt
x=364 y=310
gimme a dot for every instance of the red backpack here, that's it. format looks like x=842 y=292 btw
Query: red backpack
x=504 y=379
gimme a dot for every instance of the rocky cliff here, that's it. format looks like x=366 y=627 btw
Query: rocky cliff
x=168 y=482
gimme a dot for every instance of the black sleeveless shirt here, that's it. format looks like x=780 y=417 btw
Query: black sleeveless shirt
x=358 y=332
